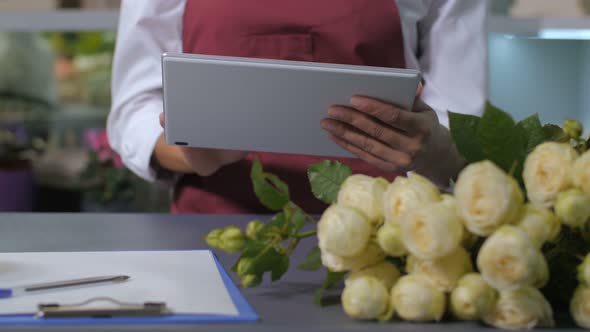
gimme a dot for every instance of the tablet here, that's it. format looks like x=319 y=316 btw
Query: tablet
x=268 y=105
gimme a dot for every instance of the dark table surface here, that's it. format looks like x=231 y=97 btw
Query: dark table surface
x=283 y=306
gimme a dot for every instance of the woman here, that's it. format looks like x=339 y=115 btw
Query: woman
x=444 y=39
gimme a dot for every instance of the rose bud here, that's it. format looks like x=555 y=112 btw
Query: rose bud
x=370 y=256
x=251 y=280
x=343 y=231
x=508 y=260
x=231 y=239
x=415 y=298
x=540 y=224
x=573 y=208
x=521 y=309
x=487 y=198
x=434 y=230
x=406 y=194
x=443 y=272
x=389 y=238
x=365 y=298
x=580 y=306
x=365 y=194
x=548 y=171
x=385 y=272
x=573 y=128
x=253 y=228
x=472 y=297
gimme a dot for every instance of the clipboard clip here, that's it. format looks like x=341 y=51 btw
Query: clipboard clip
x=120 y=309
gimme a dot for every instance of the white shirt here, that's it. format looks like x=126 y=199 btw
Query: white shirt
x=445 y=39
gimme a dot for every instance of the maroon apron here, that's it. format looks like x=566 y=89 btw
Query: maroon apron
x=356 y=32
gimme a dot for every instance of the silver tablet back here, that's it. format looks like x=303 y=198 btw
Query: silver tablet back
x=268 y=105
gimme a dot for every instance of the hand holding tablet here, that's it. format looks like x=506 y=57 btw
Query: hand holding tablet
x=268 y=105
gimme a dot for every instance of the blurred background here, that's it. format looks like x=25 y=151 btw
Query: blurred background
x=55 y=62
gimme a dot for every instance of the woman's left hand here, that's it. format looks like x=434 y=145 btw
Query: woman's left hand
x=395 y=140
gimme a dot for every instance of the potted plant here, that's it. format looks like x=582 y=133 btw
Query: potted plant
x=108 y=186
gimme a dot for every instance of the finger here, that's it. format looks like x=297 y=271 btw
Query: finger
x=419 y=91
x=387 y=113
x=366 y=143
x=370 y=126
x=162 y=120
x=365 y=156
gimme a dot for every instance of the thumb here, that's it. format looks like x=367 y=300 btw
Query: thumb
x=162 y=119
x=419 y=91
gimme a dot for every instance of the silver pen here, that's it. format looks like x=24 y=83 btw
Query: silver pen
x=10 y=292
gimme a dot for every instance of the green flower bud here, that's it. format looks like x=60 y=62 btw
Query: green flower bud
x=244 y=266
x=584 y=271
x=573 y=128
x=389 y=237
x=251 y=280
x=253 y=228
x=212 y=238
x=472 y=297
x=573 y=208
x=232 y=239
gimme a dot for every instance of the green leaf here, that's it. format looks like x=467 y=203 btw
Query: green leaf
x=332 y=278
x=274 y=226
x=270 y=190
x=463 y=130
x=295 y=217
x=326 y=178
x=501 y=140
x=533 y=130
x=280 y=269
x=313 y=261
x=554 y=133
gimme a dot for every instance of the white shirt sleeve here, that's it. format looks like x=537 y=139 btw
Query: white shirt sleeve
x=146 y=30
x=452 y=54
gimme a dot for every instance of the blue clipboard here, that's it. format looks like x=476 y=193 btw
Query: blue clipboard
x=246 y=313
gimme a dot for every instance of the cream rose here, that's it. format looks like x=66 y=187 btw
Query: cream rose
x=509 y=260
x=343 y=231
x=581 y=173
x=416 y=299
x=365 y=298
x=432 y=231
x=370 y=256
x=443 y=272
x=584 y=271
x=472 y=297
x=525 y=308
x=365 y=194
x=406 y=194
x=389 y=237
x=385 y=272
x=487 y=198
x=580 y=306
x=572 y=207
x=540 y=224
x=548 y=171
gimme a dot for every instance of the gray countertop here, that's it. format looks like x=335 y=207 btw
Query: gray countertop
x=283 y=306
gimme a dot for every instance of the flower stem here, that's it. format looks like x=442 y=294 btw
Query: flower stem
x=304 y=235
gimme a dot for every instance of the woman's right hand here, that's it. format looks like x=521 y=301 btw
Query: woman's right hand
x=202 y=161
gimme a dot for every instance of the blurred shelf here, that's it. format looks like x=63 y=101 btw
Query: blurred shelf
x=577 y=28
x=59 y=20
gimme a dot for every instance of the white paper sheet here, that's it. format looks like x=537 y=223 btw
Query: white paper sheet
x=188 y=281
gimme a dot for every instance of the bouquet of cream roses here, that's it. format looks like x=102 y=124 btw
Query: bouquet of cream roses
x=506 y=247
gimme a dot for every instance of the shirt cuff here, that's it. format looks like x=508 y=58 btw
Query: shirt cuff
x=138 y=145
